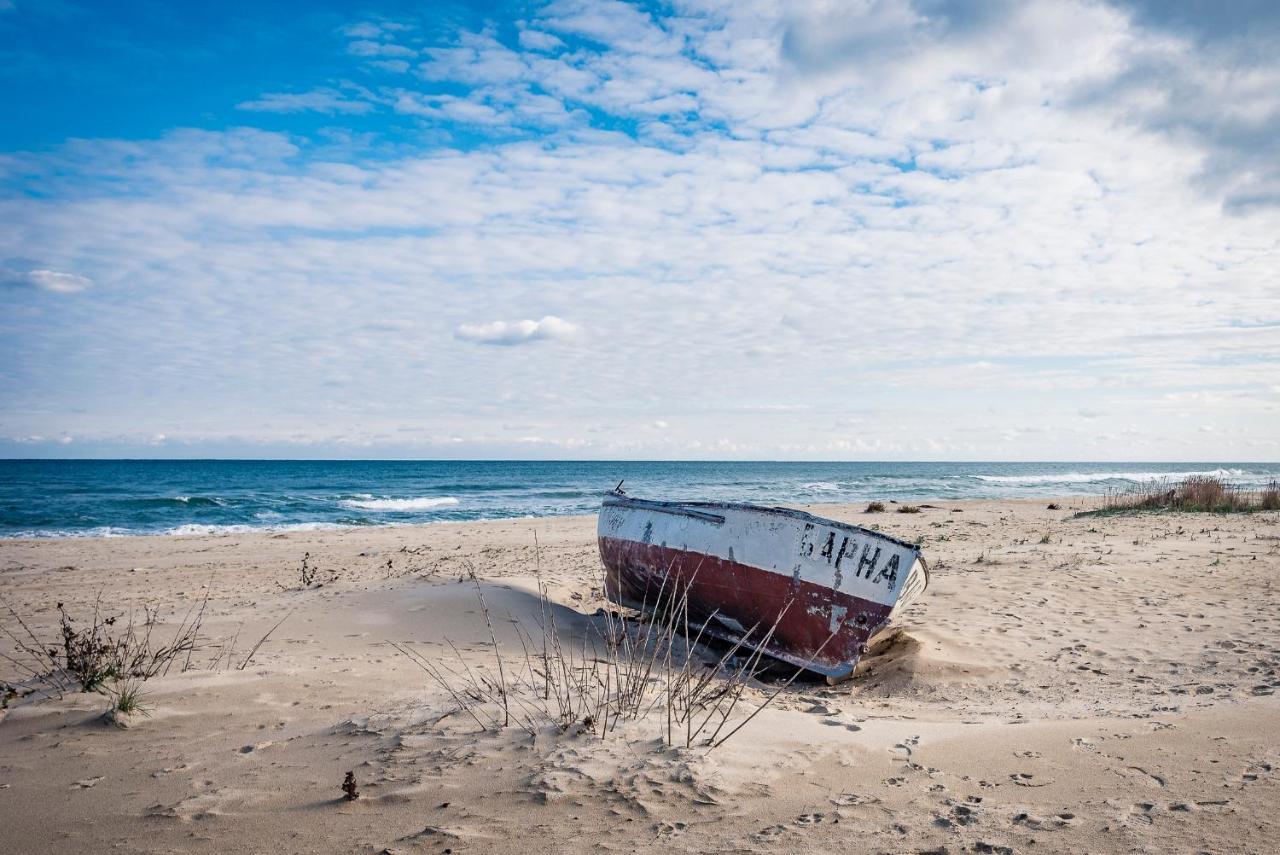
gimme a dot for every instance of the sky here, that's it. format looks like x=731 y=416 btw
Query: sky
x=707 y=229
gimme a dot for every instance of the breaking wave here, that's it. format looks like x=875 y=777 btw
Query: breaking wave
x=820 y=487
x=188 y=530
x=1089 y=477
x=241 y=528
x=178 y=501
x=423 y=503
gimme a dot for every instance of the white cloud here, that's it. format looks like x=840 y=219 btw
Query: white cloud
x=516 y=332
x=375 y=29
x=323 y=100
x=365 y=47
x=539 y=41
x=58 y=282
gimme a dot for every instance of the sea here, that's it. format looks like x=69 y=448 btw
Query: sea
x=111 y=498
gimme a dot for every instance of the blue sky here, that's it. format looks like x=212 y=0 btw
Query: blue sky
x=138 y=69
x=835 y=230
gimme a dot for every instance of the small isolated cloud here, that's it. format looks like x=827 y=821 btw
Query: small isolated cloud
x=374 y=29
x=538 y=40
x=367 y=47
x=324 y=100
x=44 y=280
x=516 y=332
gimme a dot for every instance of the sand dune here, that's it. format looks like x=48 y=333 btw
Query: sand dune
x=1066 y=685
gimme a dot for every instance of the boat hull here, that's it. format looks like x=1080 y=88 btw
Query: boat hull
x=807 y=590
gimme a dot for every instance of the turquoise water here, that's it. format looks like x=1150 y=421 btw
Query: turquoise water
x=55 y=498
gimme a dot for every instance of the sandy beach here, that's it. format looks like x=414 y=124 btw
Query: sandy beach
x=1099 y=684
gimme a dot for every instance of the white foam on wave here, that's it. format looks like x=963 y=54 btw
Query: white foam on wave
x=97 y=531
x=191 y=529
x=1088 y=477
x=187 y=530
x=820 y=486
x=422 y=503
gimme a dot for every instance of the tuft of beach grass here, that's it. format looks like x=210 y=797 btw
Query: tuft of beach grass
x=1196 y=494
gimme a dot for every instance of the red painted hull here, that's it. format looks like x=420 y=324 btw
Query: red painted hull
x=731 y=598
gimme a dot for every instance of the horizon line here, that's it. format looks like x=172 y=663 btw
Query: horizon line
x=1219 y=461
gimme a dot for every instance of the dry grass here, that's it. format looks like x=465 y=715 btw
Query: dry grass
x=1197 y=494
x=99 y=648
x=621 y=669
x=126 y=697
x=310 y=576
x=875 y=508
x=908 y=509
x=1270 y=499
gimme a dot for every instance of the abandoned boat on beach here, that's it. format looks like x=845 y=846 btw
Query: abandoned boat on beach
x=806 y=590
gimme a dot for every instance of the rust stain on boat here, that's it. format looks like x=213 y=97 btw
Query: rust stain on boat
x=825 y=588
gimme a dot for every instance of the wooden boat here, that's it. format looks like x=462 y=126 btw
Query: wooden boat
x=809 y=591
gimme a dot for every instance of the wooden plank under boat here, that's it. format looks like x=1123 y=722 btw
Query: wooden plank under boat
x=835 y=585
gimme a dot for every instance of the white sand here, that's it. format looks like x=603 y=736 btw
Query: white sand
x=1112 y=690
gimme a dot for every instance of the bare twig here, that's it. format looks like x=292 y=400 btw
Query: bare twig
x=253 y=651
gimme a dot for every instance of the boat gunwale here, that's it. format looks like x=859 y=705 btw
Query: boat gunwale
x=616 y=499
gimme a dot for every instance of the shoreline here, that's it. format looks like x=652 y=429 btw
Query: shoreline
x=239 y=529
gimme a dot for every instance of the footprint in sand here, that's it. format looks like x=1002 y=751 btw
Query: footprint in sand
x=431 y=832
x=195 y=807
x=670 y=829
x=830 y=722
x=769 y=833
x=1026 y=779
x=168 y=770
x=1214 y=805
x=1254 y=771
x=250 y=749
x=959 y=815
x=992 y=848
x=904 y=748
x=1041 y=823
x=1157 y=779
